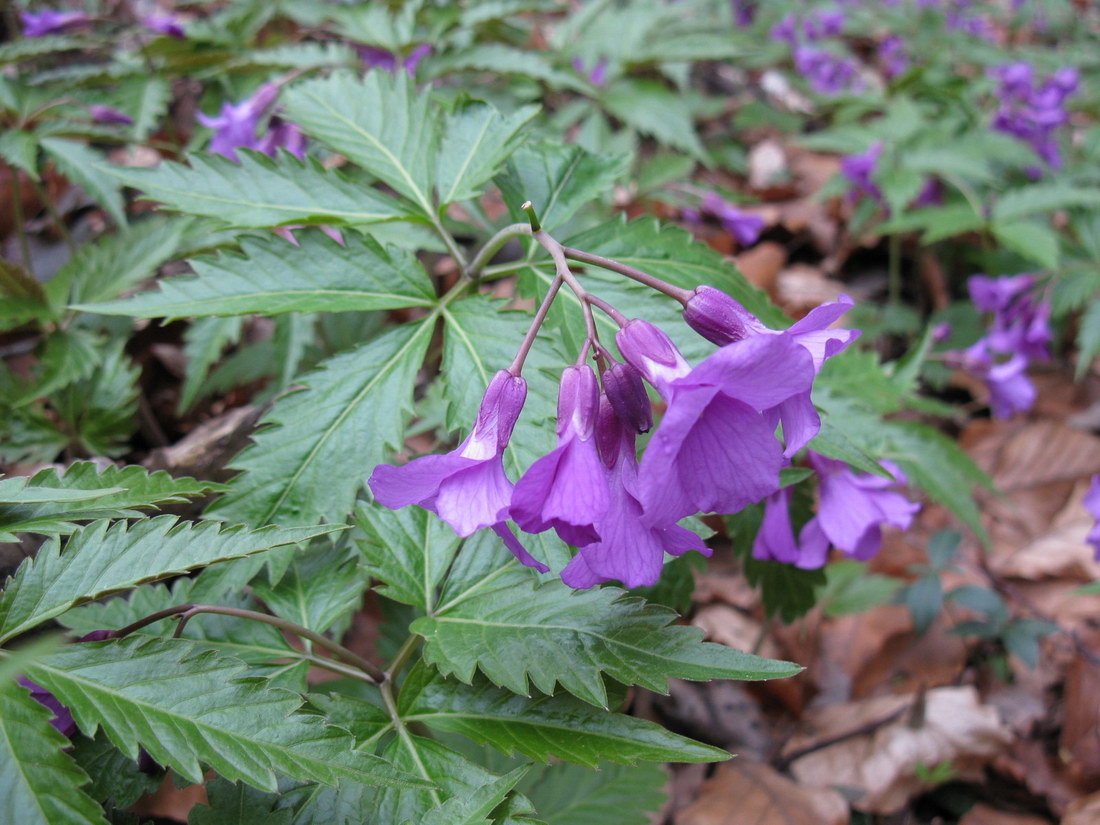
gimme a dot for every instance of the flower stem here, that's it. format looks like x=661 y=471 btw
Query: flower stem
x=20 y=219
x=680 y=294
x=492 y=246
x=608 y=310
x=516 y=366
x=402 y=657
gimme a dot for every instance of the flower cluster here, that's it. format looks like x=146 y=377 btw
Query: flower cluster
x=893 y=55
x=1032 y=111
x=376 y=58
x=744 y=12
x=825 y=71
x=1019 y=333
x=860 y=169
x=236 y=126
x=43 y=23
x=597 y=75
x=743 y=226
x=715 y=450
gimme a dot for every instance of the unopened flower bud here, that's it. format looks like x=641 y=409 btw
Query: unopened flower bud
x=578 y=402
x=651 y=353
x=717 y=317
x=497 y=416
x=628 y=397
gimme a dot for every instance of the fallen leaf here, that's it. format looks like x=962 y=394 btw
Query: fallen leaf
x=762 y=263
x=1060 y=550
x=882 y=764
x=743 y=792
x=1079 y=744
x=733 y=628
x=802 y=287
x=767 y=164
x=982 y=814
x=1084 y=811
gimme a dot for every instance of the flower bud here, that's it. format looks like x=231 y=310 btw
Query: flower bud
x=497 y=416
x=717 y=317
x=628 y=397
x=610 y=432
x=578 y=402
x=651 y=353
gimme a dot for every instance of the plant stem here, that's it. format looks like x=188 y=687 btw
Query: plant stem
x=516 y=366
x=450 y=242
x=55 y=217
x=388 y=700
x=402 y=657
x=186 y=611
x=608 y=310
x=20 y=220
x=895 y=270
x=492 y=246
x=680 y=294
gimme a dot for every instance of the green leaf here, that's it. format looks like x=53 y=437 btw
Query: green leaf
x=196 y=710
x=655 y=110
x=148 y=98
x=542 y=727
x=502 y=59
x=229 y=804
x=204 y=342
x=831 y=442
x=20 y=150
x=321 y=587
x=475 y=807
x=1035 y=241
x=317 y=444
x=99 y=412
x=28 y=47
x=558 y=179
x=849 y=588
x=82 y=166
x=380 y=122
x=476 y=141
x=1041 y=199
x=613 y=795
x=409 y=550
x=41 y=782
x=113 y=263
x=102 y=559
x=49 y=503
x=114 y=775
x=274 y=276
x=69 y=355
x=1088 y=338
x=513 y=629
x=261 y=191
x=22 y=297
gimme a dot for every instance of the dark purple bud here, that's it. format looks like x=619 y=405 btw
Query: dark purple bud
x=167 y=24
x=628 y=398
x=609 y=432
x=500 y=409
x=578 y=402
x=108 y=114
x=716 y=316
x=651 y=353
x=941 y=332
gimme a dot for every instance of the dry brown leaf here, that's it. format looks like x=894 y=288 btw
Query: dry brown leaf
x=802 y=287
x=982 y=814
x=1059 y=550
x=1080 y=741
x=1041 y=452
x=882 y=765
x=750 y=793
x=761 y=264
x=1084 y=811
x=733 y=628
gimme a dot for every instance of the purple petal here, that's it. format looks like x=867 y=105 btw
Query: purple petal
x=517 y=549
x=475 y=497
x=800 y=420
x=415 y=482
x=814 y=546
x=775 y=539
x=761 y=371
x=565 y=489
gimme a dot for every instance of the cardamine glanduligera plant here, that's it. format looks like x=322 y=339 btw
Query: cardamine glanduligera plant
x=715 y=450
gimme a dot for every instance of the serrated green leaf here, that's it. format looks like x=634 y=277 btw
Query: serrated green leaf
x=237 y=804
x=514 y=629
x=1035 y=241
x=655 y=110
x=409 y=550
x=380 y=122
x=102 y=559
x=614 y=795
x=114 y=776
x=82 y=165
x=831 y=442
x=29 y=436
x=320 y=587
x=22 y=297
x=273 y=276
x=1041 y=199
x=99 y=412
x=317 y=445
x=1088 y=338
x=261 y=191
x=111 y=264
x=20 y=150
x=476 y=141
x=473 y=808
x=502 y=59
x=557 y=179
x=70 y=355
x=28 y=47
x=197 y=711
x=306 y=55
x=49 y=503
x=41 y=782
x=539 y=728
x=204 y=342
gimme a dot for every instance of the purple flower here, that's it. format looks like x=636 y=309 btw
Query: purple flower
x=745 y=227
x=282 y=134
x=893 y=55
x=1010 y=390
x=715 y=450
x=62 y=716
x=744 y=12
x=50 y=22
x=1020 y=325
x=859 y=169
x=567 y=488
x=786 y=30
x=823 y=23
x=598 y=75
x=1092 y=504
x=930 y=194
x=235 y=126
x=108 y=114
x=826 y=73
x=627 y=395
x=1031 y=113
x=775 y=539
x=722 y=320
x=629 y=551
x=376 y=58
x=467 y=487
x=852 y=509
x=169 y=25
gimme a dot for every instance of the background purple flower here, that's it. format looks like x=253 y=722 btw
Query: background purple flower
x=893 y=55
x=1033 y=112
x=598 y=74
x=108 y=114
x=743 y=226
x=1092 y=504
x=859 y=170
x=775 y=539
x=377 y=58
x=170 y=25
x=40 y=24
